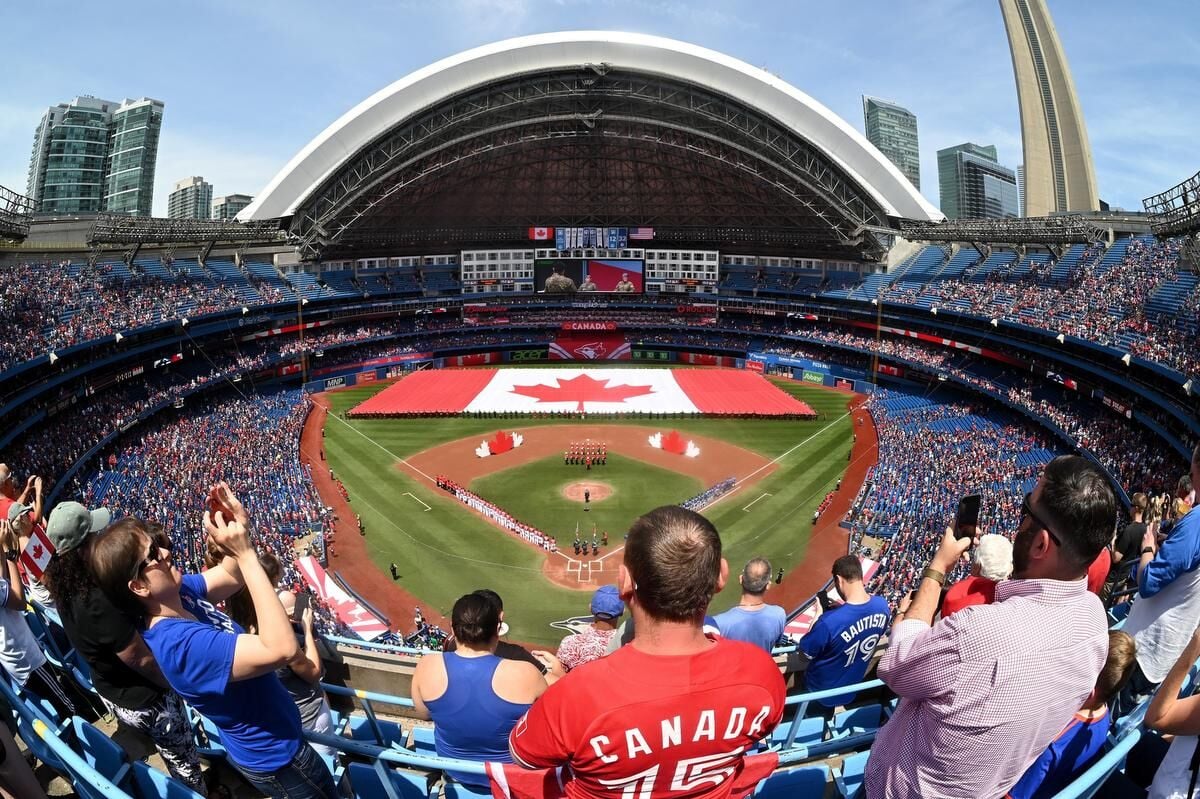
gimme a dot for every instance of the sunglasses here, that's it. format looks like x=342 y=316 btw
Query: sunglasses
x=1027 y=510
x=158 y=544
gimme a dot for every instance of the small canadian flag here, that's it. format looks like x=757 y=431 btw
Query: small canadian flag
x=541 y=233
x=37 y=554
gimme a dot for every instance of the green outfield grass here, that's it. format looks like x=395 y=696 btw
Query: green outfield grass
x=533 y=494
x=446 y=551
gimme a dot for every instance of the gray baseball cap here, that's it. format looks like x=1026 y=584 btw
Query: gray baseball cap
x=70 y=523
x=16 y=509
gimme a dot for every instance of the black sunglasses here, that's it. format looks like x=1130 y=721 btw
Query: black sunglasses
x=157 y=544
x=1027 y=510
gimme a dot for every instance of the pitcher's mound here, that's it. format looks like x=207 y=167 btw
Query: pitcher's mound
x=597 y=491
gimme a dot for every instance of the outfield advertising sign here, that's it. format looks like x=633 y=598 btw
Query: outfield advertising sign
x=813 y=377
x=651 y=355
x=527 y=355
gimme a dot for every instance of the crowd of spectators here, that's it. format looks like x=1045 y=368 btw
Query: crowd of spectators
x=159 y=471
x=930 y=455
x=49 y=306
x=1104 y=303
x=1139 y=463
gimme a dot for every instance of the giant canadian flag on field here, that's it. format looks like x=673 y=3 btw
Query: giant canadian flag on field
x=716 y=391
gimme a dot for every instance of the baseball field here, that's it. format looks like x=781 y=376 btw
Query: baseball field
x=443 y=549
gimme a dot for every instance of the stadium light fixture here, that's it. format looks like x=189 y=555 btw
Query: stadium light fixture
x=1061 y=338
x=304 y=301
x=53 y=357
x=995 y=323
x=1188 y=387
x=245 y=310
x=183 y=321
x=1126 y=358
x=933 y=310
x=119 y=337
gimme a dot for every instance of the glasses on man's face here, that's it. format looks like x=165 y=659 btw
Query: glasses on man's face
x=1027 y=510
x=159 y=544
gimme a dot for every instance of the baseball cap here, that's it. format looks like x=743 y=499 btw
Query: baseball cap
x=607 y=602
x=15 y=510
x=70 y=523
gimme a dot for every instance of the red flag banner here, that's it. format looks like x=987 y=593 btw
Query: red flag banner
x=541 y=233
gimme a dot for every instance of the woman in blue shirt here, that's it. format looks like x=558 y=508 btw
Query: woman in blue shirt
x=207 y=658
x=473 y=696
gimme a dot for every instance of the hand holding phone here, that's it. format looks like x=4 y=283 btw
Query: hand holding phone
x=966 y=521
x=303 y=602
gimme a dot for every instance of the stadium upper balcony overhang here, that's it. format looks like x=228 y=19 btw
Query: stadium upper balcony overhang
x=589 y=128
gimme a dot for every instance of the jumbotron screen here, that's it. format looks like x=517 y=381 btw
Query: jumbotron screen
x=569 y=275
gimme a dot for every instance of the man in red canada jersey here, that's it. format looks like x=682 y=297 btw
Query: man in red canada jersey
x=672 y=714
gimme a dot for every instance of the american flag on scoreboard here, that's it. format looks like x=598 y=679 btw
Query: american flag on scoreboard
x=643 y=233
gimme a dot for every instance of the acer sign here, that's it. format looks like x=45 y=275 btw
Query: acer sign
x=527 y=355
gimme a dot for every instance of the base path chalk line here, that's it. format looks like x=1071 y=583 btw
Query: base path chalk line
x=776 y=460
x=760 y=496
x=410 y=494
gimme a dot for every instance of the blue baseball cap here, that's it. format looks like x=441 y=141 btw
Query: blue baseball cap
x=606 y=602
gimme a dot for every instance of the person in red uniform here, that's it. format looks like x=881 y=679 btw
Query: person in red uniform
x=671 y=715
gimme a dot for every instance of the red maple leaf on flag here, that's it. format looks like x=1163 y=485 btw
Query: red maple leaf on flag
x=581 y=389
x=37 y=552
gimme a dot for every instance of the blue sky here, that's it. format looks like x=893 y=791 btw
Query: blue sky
x=248 y=82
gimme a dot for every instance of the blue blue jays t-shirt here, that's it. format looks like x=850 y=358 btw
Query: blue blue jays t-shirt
x=1065 y=759
x=259 y=722
x=840 y=645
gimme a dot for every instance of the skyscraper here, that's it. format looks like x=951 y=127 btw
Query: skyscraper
x=93 y=155
x=1059 y=175
x=894 y=131
x=191 y=199
x=973 y=185
x=227 y=207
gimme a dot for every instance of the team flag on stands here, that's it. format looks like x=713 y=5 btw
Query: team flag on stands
x=541 y=233
x=38 y=552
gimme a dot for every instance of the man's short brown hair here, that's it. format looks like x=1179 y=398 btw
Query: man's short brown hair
x=849 y=568
x=674 y=558
x=1122 y=654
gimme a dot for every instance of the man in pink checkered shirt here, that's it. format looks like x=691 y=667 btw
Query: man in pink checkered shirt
x=986 y=690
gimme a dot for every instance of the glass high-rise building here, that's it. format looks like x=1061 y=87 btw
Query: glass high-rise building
x=227 y=207
x=92 y=155
x=893 y=130
x=132 y=153
x=191 y=199
x=973 y=185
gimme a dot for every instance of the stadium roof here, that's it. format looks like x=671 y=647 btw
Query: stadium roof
x=589 y=128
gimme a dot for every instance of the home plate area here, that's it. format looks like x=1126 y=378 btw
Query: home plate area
x=572 y=392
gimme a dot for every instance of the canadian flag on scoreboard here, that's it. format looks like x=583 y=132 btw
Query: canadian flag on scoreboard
x=36 y=556
x=541 y=233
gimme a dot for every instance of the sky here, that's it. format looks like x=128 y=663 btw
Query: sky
x=247 y=83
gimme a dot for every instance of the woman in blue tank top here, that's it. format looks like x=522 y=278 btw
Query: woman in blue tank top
x=474 y=697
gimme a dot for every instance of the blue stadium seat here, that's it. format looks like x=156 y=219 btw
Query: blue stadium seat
x=807 y=782
x=849 y=777
x=377 y=781
x=456 y=790
x=422 y=741
x=102 y=753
